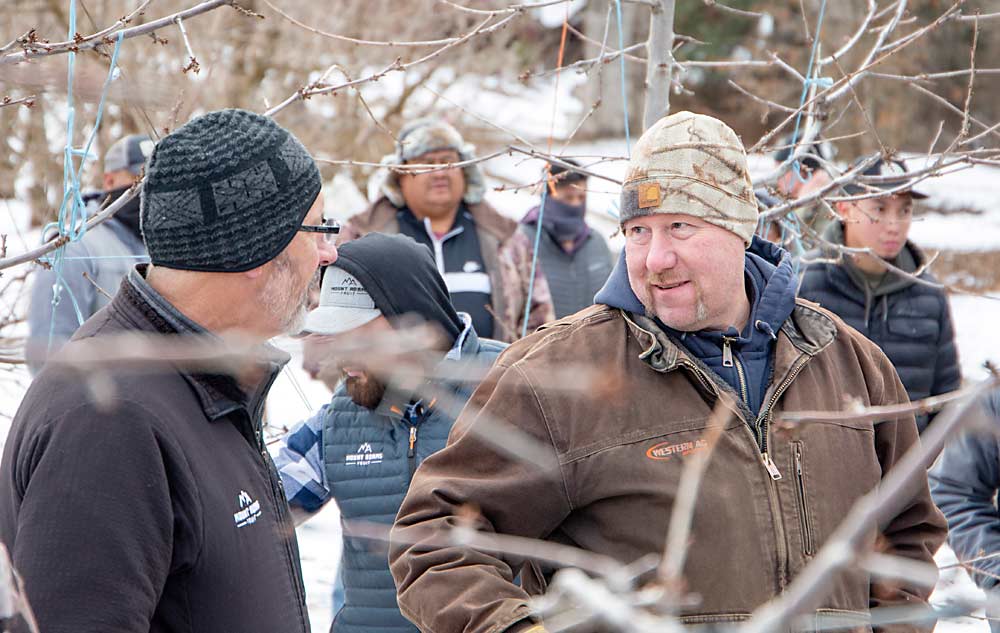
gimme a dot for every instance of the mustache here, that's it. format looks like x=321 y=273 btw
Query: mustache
x=661 y=279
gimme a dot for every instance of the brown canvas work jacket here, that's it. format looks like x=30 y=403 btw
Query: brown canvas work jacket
x=621 y=448
x=507 y=255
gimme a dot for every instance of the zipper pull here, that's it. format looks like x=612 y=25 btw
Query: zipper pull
x=772 y=469
x=798 y=460
x=727 y=353
x=413 y=440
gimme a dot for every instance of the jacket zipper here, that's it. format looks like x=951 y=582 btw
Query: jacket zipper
x=411 y=453
x=707 y=383
x=760 y=435
x=780 y=539
x=764 y=418
x=806 y=524
x=281 y=506
x=730 y=360
x=280 y=503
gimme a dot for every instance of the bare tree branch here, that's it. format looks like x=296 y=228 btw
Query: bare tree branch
x=104 y=37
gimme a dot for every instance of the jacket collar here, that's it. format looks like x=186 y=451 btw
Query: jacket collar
x=219 y=394
x=383 y=213
x=808 y=330
x=398 y=398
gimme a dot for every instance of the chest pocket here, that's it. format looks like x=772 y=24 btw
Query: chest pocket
x=919 y=329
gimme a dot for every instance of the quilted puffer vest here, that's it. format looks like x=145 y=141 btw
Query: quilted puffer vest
x=369 y=457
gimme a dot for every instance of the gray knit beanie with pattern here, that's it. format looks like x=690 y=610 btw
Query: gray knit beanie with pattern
x=695 y=165
x=226 y=192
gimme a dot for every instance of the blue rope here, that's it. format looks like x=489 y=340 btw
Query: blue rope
x=545 y=189
x=621 y=58
x=72 y=218
x=796 y=167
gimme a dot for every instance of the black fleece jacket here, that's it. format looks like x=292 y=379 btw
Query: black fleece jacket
x=155 y=509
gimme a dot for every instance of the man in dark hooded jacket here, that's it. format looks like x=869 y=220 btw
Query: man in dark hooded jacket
x=90 y=269
x=698 y=314
x=363 y=448
x=881 y=294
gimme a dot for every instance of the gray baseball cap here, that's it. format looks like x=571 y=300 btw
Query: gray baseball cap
x=344 y=304
x=129 y=154
x=884 y=168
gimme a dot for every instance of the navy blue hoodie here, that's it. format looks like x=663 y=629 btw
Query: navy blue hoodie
x=770 y=282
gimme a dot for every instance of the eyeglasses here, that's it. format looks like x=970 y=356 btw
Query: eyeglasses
x=329 y=230
x=438 y=161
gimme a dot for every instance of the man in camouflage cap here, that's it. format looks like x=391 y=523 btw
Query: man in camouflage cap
x=698 y=313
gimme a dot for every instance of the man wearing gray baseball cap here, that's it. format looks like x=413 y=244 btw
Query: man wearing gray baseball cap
x=92 y=267
x=698 y=316
x=378 y=428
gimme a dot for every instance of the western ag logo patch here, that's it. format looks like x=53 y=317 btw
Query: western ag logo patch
x=665 y=450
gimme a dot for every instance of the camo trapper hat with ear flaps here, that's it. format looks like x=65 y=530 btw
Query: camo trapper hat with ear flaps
x=420 y=137
x=695 y=165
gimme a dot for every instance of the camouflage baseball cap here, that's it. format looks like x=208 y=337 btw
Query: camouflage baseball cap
x=695 y=165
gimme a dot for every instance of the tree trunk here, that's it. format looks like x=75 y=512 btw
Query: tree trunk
x=604 y=83
x=659 y=64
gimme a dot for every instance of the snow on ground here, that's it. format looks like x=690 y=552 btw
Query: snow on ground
x=965 y=232
x=955 y=585
x=973 y=189
x=976 y=335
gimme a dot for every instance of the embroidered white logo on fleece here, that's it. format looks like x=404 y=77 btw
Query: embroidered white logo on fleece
x=365 y=456
x=249 y=510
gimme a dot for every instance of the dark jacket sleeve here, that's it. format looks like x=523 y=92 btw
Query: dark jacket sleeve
x=917 y=529
x=95 y=523
x=455 y=588
x=964 y=481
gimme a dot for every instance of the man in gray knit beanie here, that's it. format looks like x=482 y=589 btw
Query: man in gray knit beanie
x=225 y=193
x=228 y=193
x=157 y=504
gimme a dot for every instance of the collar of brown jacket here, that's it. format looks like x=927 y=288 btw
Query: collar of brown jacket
x=808 y=330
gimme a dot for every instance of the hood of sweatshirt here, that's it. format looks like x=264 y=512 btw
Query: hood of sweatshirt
x=770 y=281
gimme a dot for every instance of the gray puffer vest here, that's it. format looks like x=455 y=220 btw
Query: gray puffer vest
x=369 y=457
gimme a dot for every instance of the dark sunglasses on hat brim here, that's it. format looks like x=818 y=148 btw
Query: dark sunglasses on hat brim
x=329 y=228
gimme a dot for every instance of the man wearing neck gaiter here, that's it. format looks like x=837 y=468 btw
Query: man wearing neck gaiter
x=92 y=268
x=576 y=259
